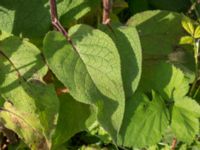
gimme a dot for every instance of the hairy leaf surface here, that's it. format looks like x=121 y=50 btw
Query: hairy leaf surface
x=129 y=48
x=185 y=119
x=91 y=70
x=145 y=121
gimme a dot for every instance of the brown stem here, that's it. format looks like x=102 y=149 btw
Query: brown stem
x=174 y=144
x=106 y=11
x=54 y=18
x=60 y=91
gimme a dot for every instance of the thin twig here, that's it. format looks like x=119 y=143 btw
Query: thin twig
x=106 y=12
x=54 y=19
x=174 y=144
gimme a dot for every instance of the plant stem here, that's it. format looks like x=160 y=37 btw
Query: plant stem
x=174 y=144
x=54 y=18
x=106 y=12
x=196 y=51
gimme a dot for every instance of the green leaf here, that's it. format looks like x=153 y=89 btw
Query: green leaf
x=188 y=26
x=29 y=18
x=73 y=118
x=91 y=70
x=186 y=40
x=69 y=10
x=128 y=44
x=197 y=32
x=144 y=121
x=4 y=35
x=155 y=25
x=166 y=79
x=185 y=119
x=31 y=107
x=25 y=56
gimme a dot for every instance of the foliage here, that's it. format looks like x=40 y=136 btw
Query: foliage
x=116 y=86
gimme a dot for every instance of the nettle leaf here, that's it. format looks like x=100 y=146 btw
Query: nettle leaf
x=185 y=119
x=144 y=121
x=91 y=70
x=153 y=26
x=129 y=48
x=166 y=79
x=29 y=18
x=73 y=118
x=31 y=106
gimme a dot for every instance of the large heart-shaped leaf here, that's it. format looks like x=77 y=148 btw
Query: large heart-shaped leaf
x=90 y=68
x=160 y=32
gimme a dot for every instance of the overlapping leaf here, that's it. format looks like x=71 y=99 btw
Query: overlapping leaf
x=145 y=121
x=168 y=80
x=29 y=18
x=129 y=48
x=160 y=32
x=30 y=107
x=73 y=118
x=90 y=68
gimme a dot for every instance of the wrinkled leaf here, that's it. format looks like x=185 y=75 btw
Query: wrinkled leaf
x=129 y=48
x=144 y=121
x=185 y=119
x=94 y=65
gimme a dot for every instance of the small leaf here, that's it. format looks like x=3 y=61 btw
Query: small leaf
x=185 y=119
x=197 y=32
x=188 y=26
x=186 y=40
